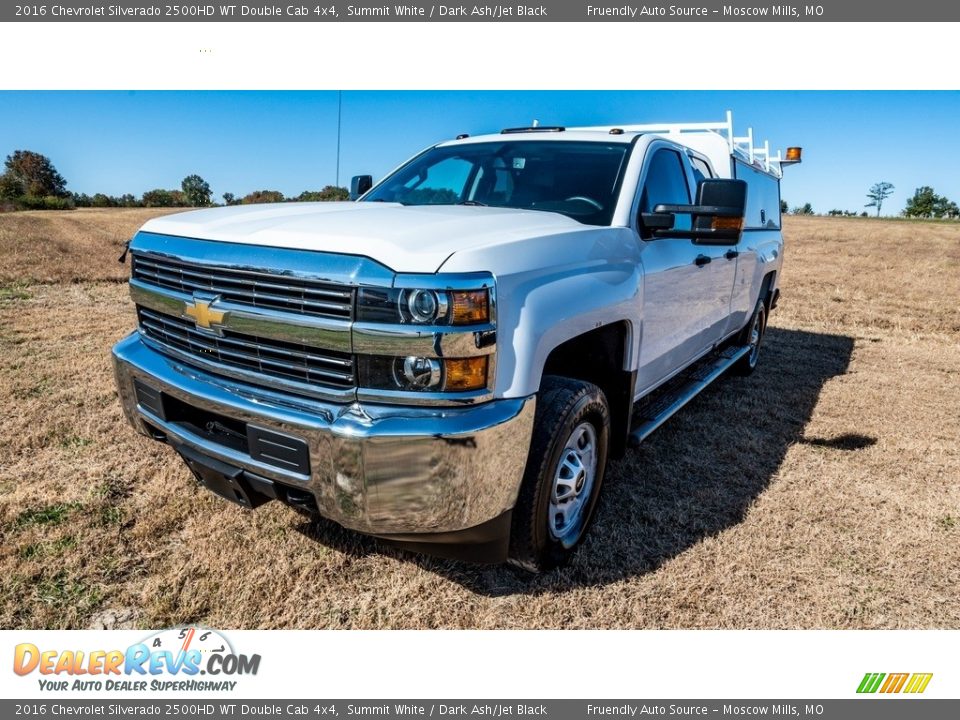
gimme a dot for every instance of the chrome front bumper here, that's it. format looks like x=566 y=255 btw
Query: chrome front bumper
x=380 y=469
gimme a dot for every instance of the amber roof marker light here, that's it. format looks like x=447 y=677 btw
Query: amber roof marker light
x=793 y=157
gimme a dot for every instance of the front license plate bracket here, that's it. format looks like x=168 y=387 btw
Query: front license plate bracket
x=222 y=479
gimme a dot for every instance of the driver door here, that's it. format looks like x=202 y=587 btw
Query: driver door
x=681 y=280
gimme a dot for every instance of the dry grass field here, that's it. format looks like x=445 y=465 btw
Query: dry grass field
x=823 y=492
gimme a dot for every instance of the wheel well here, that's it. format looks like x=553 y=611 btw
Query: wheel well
x=766 y=289
x=598 y=357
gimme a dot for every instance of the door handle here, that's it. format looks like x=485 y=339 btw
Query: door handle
x=702 y=260
x=731 y=254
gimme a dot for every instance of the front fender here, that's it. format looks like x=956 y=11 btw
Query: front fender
x=550 y=310
x=553 y=288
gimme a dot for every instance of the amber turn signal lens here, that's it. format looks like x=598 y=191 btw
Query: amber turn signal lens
x=469 y=307
x=465 y=373
x=793 y=154
x=726 y=223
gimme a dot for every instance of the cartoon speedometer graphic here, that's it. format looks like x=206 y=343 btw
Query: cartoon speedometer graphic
x=183 y=639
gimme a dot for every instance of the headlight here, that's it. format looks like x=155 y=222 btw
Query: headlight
x=420 y=374
x=423 y=307
x=417 y=372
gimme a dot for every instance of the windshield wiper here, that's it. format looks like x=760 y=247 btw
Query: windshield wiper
x=475 y=203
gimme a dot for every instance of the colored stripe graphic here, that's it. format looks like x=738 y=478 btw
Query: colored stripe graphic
x=894 y=683
x=918 y=682
x=870 y=682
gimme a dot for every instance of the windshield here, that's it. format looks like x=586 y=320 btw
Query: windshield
x=577 y=179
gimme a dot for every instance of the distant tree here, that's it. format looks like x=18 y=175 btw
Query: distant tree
x=329 y=192
x=100 y=200
x=923 y=203
x=944 y=208
x=229 y=199
x=196 y=191
x=82 y=200
x=157 y=198
x=45 y=202
x=784 y=208
x=127 y=200
x=835 y=213
x=805 y=209
x=878 y=193
x=10 y=187
x=30 y=173
x=263 y=196
x=864 y=214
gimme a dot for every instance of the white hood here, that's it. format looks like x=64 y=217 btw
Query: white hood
x=415 y=239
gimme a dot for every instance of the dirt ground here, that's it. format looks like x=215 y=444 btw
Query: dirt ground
x=822 y=492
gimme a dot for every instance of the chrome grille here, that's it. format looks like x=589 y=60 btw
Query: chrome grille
x=248 y=287
x=273 y=358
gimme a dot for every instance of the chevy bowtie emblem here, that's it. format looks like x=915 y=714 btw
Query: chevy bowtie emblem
x=203 y=314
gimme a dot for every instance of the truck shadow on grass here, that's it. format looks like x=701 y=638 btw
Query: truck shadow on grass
x=692 y=479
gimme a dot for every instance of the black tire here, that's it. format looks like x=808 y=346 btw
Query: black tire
x=565 y=407
x=758 y=323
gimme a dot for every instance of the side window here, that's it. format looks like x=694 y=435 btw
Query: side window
x=665 y=183
x=701 y=171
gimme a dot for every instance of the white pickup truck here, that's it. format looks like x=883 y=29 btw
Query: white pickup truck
x=450 y=360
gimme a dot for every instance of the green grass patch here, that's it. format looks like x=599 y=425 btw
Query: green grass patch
x=47 y=549
x=61 y=591
x=75 y=442
x=46 y=515
x=13 y=292
x=110 y=516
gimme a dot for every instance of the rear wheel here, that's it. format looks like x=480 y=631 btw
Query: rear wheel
x=752 y=336
x=568 y=456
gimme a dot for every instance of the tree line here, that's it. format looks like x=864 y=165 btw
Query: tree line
x=31 y=182
x=925 y=203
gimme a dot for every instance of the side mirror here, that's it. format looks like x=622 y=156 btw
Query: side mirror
x=359 y=185
x=717 y=215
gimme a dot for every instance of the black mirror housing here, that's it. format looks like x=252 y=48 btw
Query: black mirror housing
x=359 y=185
x=658 y=221
x=717 y=216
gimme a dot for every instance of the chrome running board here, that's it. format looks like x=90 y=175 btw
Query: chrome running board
x=654 y=410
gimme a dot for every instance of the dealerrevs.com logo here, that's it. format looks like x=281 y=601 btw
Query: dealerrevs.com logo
x=180 y=659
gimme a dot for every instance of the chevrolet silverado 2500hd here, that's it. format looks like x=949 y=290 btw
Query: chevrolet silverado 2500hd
x=450 y=360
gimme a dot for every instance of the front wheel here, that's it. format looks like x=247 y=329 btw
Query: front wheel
x=561 y=484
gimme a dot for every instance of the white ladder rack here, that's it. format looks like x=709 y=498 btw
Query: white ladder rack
x=742 y=145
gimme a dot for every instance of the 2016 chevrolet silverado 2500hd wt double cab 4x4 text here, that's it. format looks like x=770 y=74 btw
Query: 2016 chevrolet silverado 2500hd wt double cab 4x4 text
x=450 y=360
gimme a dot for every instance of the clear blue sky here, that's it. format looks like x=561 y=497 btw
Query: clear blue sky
x=118 y=142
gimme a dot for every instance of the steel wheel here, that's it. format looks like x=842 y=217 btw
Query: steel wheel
x=564 y=473
x=573 y=481
x=751 y=336
x=756 y=333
